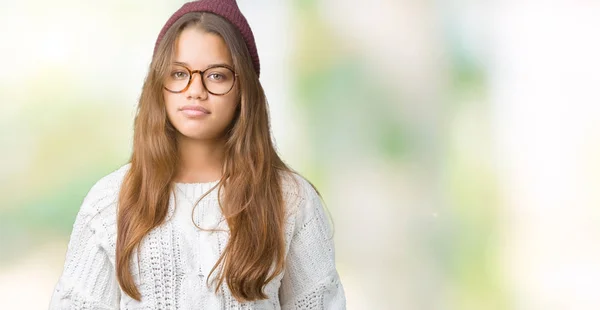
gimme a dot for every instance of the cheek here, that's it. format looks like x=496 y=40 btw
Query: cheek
x=234 y=103
x=171 y=103
x=225 y=111
x=168 y=98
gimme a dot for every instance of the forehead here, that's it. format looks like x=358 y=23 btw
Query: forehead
x=200 y=49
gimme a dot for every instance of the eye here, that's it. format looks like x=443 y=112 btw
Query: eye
x=215 y=76
x=179 y=75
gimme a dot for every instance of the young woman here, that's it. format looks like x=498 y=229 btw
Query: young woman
x=206 y=215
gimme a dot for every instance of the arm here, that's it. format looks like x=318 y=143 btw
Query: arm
x=88 y=280
x=311 y=280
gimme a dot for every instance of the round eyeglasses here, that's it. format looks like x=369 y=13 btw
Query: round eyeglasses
x=217 y=80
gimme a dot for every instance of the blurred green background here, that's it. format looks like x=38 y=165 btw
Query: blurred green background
x=456 y=144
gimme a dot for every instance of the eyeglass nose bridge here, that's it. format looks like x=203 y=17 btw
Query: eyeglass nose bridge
x=200 y=74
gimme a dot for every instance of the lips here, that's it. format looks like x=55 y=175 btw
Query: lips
x=194 y=111
x=194 y=108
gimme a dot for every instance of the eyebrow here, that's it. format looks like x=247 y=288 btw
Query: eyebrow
x=209 y=66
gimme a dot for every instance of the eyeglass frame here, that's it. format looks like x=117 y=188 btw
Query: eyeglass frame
x=201 y=73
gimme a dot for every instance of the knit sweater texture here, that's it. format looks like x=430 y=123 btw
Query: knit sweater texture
x=175 y=258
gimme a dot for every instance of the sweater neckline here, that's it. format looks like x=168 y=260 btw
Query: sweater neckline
x=194 y=190
x=209 y=183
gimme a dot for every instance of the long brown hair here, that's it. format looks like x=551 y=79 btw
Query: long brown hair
x=254 y=212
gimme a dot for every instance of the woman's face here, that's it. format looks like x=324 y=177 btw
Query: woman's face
x=195 y=112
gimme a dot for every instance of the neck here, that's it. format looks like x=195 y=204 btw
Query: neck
x=200 y=161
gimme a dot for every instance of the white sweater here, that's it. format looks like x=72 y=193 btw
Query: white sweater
x=176 y=257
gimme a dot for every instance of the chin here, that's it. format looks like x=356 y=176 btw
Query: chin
x=198 y=131
x=194 y=135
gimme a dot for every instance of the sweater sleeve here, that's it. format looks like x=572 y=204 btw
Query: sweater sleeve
x=311 y=281
x=88 y=280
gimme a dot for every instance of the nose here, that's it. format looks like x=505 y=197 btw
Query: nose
x=196 y=89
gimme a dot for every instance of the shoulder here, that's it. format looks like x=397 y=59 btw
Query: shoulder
x=103 y=194
x=307 y=220
x=300 y=195
x=295 y=186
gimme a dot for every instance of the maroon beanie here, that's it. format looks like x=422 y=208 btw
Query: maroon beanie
x=227 y=9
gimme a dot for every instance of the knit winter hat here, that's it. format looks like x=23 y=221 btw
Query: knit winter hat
x=227 y=9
